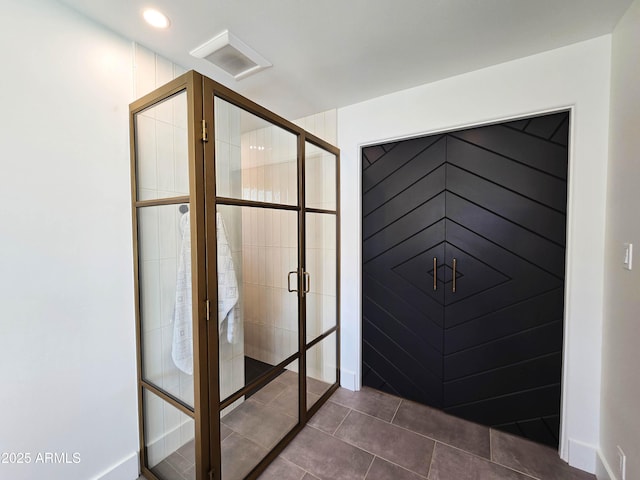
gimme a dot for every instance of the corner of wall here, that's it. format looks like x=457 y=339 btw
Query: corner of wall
x=127 y=469
x=582 y=456
x=348 y=380
x=603 y=470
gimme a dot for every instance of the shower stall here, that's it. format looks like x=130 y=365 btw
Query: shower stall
x=236 y=254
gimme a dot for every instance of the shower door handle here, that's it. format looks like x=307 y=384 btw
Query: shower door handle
x=307 y=282
x=289 y=281
x=453 y=283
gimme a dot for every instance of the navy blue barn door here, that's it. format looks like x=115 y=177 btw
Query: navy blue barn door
x=463 y=272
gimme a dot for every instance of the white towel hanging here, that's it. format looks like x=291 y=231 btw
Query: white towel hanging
x=227 y=282
x=182 y=344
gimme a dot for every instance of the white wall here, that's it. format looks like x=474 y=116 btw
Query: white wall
x=620 y=420
x=576 y=76
x=67 y=343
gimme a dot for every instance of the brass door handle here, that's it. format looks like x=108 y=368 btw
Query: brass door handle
x=435 y=273
x=289 y=282
x=307 y=282
x=453 y=287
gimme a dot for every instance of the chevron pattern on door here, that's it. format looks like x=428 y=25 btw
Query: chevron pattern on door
x=494 y=199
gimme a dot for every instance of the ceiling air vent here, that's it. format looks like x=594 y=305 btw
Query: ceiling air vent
x=232 y=55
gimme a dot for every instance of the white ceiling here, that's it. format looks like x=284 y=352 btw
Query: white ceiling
x=332 y=53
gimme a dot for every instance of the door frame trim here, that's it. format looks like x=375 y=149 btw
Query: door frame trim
x=563 y=448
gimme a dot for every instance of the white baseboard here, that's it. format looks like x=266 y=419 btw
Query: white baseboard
x=160 y=448
x=603 y=469
x=348 y=380
x=127 y=469
x=582 y=456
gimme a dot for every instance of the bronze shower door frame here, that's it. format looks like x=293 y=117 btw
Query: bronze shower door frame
x=203 y=202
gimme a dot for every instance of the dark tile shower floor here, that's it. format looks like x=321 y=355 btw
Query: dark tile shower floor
x=375 y=436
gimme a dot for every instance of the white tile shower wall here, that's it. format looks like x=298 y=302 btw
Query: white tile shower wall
x=321 y=266
x=159 y=247
x=163 y=153
x=321 y=247
x=269 y=171
x=227 y=124
x=227 y=137
x=322 y=125
x=167 y=429
x=320 y=182
x=163 y=168
x=163 y=173
x=321 y=360
x=269 y=244
x=270 y=252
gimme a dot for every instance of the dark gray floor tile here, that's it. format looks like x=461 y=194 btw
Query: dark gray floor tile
x=383 y=470
x=224 y=431
x=287 y=401
x=327 y=457
x=312 y=398
x=270 y=391
x=532 y=458
x=316 y=386
x=369 y=401
x=281 y=469
x=166 y=471
x=190 y=474
x=393 y=443
x=240 y=456
x=452 y=464
x=445 y=428
x=188 y=451
x=329 y=417
x=288 y=377
x=260 y=423
x=180 y=463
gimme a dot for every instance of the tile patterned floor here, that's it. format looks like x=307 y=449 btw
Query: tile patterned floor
x=374 y=436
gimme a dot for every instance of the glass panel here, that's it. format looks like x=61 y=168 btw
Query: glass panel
x=169 y=437
x=164 y=266
x=321 y=368
x=162 y=145
x=251 y=428
x=258 y=316
x=321 y=267
x=320 y=178
x=255 y=159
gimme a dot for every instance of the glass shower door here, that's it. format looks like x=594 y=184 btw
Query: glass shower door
x=321 y=264
x=257 y=264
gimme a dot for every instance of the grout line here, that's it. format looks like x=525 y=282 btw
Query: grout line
x=292 y=463
x=433 y=454
x=370 y=465
x=490 y=445
x=359 y=447
x=527 y=475
x=338 y=427
x=386 y=460
x=400 y=427
x=396 y=412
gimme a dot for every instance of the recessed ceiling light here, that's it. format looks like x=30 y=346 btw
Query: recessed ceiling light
x=156 y=18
